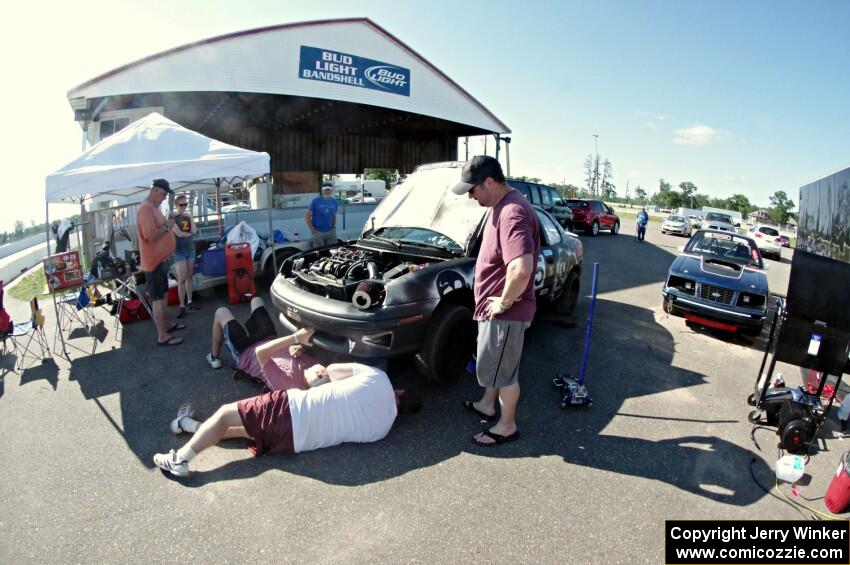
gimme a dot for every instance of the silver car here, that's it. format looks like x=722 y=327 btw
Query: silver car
x=676 y=224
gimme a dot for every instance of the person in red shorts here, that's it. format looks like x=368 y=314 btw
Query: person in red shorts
x=346 y=402
x=279 y=362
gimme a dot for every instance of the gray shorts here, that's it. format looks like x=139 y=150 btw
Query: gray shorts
x=499 y=352
x=322 y=238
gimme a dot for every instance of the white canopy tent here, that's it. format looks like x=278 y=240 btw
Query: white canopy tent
x=124 y=164
x=122 y=167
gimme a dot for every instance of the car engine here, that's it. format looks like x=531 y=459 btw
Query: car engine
x=351 y=273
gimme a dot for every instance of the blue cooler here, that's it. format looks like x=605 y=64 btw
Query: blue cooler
x=212 y=262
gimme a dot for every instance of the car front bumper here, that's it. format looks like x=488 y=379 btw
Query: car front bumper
x=383 y=331
x=737 y=316
x=681 y=230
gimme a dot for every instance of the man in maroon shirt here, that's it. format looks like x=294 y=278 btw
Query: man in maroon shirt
x=504 y=292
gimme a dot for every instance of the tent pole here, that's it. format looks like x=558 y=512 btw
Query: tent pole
x=47 y=227
x=53 y=294
x=271 y=233
x=218 y=204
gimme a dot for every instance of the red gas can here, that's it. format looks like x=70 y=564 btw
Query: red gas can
x=838 y=494
x=240 y=272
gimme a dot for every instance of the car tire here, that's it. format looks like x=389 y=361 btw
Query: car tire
x=594 y=229
x=449 y=343
x=268 y=269
x=615 y=228
x=565 y=305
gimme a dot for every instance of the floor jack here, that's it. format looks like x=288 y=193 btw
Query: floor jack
x=573 y=392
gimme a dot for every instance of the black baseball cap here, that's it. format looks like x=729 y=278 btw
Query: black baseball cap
x=476 y=170
x=163 y=184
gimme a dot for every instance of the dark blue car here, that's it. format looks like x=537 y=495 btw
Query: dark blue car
x=719 y=280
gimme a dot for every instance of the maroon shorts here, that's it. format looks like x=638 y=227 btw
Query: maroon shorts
x=268 y=421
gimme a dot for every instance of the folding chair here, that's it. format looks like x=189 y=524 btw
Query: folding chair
x=73 y=314
x=33 y=331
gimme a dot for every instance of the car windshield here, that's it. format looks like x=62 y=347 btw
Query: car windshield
x=420 y=237
x=676 y=218
x=725 y=246
x=769 y=231
x=715 y=217
x=577 y=203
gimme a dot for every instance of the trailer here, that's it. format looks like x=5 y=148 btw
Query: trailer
x=290 y=222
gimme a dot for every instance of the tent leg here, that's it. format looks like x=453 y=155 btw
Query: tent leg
x=59 y=328
x=47 y=228
x=271 y=233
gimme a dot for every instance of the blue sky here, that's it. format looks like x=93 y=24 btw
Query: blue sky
x=737 y=97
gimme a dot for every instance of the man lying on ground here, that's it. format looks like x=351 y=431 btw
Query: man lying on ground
x=257 y=351
x=347 y=402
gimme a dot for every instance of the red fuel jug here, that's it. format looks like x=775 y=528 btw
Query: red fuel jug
x=838 y=494
x=240 y=272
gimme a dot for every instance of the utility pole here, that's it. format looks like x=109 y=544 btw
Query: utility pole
x=596 y=168
x=508 y=153
x=466 y=146
x=485 y=144
x=498 y=144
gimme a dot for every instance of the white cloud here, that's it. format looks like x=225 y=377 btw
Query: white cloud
x=697 y=134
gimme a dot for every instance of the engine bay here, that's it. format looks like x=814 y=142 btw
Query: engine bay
x=352 y=273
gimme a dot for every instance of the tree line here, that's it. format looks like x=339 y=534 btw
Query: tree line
x=21 y=231
x=599 y=184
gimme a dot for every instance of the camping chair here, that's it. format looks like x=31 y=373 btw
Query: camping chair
x=74 y=313
x=33 y=332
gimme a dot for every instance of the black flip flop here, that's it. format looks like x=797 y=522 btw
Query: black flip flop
x=470 y=405
x=497 y=439
x=170 y=341
x=176 y=328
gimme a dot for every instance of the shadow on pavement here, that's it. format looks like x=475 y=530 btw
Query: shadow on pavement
x=47 y=370
x=705 y=465
x=612 y=252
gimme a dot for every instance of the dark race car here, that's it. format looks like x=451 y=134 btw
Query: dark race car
x=405 y=287
x=719 y=280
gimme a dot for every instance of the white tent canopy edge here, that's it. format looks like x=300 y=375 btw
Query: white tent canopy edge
x=126 y=163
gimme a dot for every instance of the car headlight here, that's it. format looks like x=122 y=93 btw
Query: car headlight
x=682 y=284
x=751 y=300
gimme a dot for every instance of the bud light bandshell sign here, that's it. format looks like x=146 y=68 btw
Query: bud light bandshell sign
x=333 y=66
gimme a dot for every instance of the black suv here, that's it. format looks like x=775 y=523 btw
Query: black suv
x=547 y=198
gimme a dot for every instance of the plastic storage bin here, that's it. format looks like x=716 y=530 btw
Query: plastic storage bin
x=213 y=262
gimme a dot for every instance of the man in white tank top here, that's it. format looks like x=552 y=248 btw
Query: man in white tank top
x=347 y=402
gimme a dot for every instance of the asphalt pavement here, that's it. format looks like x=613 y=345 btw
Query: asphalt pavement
x=667 y=437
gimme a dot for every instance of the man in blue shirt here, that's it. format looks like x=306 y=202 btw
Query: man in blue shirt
x=642 y=220
x=321 y=217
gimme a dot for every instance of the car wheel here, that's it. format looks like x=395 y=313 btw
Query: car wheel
x=594 y=229
x=449 y=344
x=615 y=228
x=268 y=270
x=566 y=303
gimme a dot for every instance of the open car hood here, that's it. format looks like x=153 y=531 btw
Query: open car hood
x=425 y=200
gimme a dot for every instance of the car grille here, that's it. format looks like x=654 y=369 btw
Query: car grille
x=716 y=294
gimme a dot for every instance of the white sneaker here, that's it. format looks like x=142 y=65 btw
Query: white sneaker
x=185 y=411
x=168 y=462
x=214 y=362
